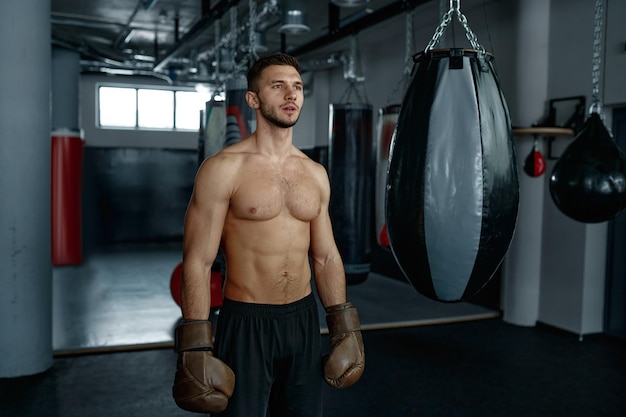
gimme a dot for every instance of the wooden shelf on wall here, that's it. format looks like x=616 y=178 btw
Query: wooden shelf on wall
x=543 y=131
x=548 y=132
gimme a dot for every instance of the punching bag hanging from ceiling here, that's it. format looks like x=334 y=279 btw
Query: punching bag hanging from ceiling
x=351 y=163
x=588 y=182
x=387 y=117
x=452 y=183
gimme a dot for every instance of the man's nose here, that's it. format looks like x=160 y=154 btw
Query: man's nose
x=290 y=93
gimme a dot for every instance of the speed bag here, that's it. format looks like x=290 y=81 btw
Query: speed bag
x=588 y=182
x=452 y=184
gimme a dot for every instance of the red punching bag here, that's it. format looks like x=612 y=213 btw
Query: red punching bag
x=387 y=117
x=535 y=163
x=216 y=286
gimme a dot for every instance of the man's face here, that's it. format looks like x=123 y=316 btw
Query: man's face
x=280 y=95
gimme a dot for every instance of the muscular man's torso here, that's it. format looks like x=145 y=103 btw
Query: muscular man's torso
x=266 y=234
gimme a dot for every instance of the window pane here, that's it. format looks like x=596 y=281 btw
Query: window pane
x=188 y=106
x=117 y=107
x=156 y=109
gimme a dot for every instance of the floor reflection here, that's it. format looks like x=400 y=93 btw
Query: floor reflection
x=117 y=298
x=121 y=300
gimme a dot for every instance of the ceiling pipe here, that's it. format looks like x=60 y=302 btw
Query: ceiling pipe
x=89 y=22
x=124 y=32
x=266 y=18
x=149 y=4
x=350 y=3
x=87 y=49
x=337 y=33
x=217 y=11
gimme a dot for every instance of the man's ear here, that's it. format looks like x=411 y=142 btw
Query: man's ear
x=252 y=99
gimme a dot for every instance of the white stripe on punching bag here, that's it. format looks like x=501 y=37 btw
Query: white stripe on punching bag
x=453 y=191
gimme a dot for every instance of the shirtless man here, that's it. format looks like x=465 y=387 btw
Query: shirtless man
x=265 y=203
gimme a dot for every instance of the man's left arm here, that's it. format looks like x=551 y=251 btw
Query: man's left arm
x=345 y=363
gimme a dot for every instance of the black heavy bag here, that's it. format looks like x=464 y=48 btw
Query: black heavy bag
x=452 y=184
x=351 y=171
x=588 y=182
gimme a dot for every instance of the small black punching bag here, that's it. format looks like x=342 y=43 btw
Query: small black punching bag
x=588 y=182
x=452 y=184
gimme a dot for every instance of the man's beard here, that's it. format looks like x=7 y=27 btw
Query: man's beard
x=273 y=119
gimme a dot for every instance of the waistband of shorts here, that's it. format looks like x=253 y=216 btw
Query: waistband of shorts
x=269 y=310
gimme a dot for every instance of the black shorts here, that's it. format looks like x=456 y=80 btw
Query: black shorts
x=274 y=351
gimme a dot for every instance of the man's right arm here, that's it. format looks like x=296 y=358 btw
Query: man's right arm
x=202 y=383
x=204 y=222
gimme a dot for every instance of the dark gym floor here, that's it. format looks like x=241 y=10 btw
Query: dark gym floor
x=114 y=315
x=478 y=368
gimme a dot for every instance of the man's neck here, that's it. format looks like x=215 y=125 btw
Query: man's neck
x=273 y=140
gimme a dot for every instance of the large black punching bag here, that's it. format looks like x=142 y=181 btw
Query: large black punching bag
x=588 y=182
x=351 y=171
x=452 y=184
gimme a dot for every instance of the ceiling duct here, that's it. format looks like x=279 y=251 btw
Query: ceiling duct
x=194 y=32
x=293 y=18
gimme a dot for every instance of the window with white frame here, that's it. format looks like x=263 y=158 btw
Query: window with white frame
x=150 y=108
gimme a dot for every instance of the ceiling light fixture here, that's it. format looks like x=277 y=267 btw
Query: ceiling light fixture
x=350 y=3
x=294 y=18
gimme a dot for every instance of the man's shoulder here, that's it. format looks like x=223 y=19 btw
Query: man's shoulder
x=224 y=163
x=305 y=158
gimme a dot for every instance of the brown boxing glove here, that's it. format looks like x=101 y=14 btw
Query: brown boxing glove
x=345 y=363
x=203 y=383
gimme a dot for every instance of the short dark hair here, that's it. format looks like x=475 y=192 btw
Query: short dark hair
x=259 y=65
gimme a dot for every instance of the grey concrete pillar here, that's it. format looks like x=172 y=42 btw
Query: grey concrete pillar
x=25 y=267
x=65 y=81
x=522 y=267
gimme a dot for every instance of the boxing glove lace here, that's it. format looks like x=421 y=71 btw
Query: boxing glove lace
x=203 y=383
x=345 y=363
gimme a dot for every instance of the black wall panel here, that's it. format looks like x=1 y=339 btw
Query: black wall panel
x=615 y=301
x=133 y=195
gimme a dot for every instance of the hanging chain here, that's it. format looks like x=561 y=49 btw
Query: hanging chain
x=216 y=35
x=455 y=9
x=408 y=44
x=353 y=74
x=596 y=104
x=408 y=57
x=233 y=28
